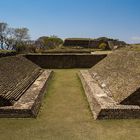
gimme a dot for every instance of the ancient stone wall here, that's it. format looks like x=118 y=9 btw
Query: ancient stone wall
x=51 y=61
x=4 y=54
x=113 y=86
x=16 y=74
x=86 y=43
x=101 y=104
x=22 y=87
x=119 y=73
x=29 y=104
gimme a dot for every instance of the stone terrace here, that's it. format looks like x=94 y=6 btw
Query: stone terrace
x=113 y=86
x=18 y=75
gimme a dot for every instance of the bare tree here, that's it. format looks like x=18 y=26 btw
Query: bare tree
x=21 y=34
x=10 y=40
x=13 y=38
x=3 y=33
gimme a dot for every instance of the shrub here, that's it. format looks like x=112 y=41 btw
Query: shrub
x=20 y=47
x=103 y=46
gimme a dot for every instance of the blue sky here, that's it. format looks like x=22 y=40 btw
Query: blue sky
x=75 y=18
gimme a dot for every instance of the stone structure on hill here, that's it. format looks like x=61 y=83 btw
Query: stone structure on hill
x=113 y=86
x=20 y=91
x=111 y=44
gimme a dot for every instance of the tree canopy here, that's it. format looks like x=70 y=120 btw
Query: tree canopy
x=49 y=42
x=11 y=38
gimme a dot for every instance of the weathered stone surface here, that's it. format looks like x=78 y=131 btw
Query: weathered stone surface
x=113 y=86
x=119 y=75
x=28 y=105
x=16 y=75
x=53 y=61
x=102 y=105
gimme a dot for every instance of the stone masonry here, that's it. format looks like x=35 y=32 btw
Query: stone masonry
x=113 y=86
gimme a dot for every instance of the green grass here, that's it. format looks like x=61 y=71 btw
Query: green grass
x=6 y=51
x=65 y=115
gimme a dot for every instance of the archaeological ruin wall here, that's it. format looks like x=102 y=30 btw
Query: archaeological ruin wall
x=113 y=86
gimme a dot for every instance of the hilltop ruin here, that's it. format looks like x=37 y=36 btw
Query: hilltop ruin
x=111 y=44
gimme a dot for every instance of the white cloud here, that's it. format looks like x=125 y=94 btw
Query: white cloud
x=136 y=38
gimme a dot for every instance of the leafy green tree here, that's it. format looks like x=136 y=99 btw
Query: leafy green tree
x=49 y=42
x=103 y=46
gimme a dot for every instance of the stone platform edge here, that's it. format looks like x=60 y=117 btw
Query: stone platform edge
x=29 y=104
x=102 y=106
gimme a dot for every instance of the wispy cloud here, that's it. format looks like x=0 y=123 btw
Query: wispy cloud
x=136 y=38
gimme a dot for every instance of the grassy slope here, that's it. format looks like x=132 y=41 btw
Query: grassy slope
x=65 y=116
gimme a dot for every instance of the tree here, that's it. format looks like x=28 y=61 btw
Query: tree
x=3 y=33
x=12 y=38
x=49 y=42
x=21 y=36
x=40 y=42
x=55 y=41
x=103 y=46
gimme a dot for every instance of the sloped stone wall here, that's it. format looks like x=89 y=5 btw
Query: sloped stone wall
x=119 y=74
x=29 y=104
x=16 y=75
x=22 y=87
x=112 y=86
x=101 y=104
